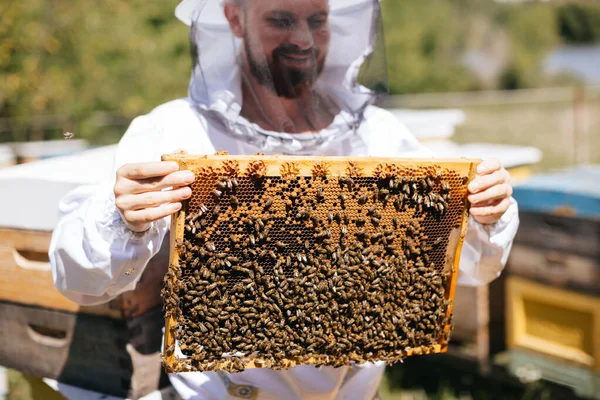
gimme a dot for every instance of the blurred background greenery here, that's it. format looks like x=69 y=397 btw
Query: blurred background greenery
x=87 y=66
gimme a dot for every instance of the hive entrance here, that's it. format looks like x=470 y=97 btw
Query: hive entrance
x=280 y=261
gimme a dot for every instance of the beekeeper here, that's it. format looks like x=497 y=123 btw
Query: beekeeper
x=270 y=76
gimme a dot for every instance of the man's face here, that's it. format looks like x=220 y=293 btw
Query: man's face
x=286 y=42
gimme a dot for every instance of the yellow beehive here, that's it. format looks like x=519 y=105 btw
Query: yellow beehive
x=280 y=261
x=553 y=322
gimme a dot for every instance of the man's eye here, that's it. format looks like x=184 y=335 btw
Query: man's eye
x=316 y=23
x=281 y=22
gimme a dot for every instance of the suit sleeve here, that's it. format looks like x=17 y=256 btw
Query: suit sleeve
x=94 y=256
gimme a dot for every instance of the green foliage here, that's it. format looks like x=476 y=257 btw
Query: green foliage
x=579 y=23
x=532 y=33
x=423 y=39
x=60 y=57
x=74 y=60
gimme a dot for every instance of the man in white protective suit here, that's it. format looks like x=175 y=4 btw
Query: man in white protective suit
x=270 y=76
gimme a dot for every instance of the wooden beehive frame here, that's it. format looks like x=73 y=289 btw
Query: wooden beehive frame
x=303 y=166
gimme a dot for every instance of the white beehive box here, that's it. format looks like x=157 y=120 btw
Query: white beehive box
x=33 y=190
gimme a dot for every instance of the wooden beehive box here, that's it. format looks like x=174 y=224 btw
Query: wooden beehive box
x=558 y=236
x=111 y=348
x=555 y=333
x=106 y=355
x=26 y=225
x=26 y=278
x=553 y=322
x=280 y=261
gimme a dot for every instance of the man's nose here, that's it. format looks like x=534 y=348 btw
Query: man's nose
x=302 y=36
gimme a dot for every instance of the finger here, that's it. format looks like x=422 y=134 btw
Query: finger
x=491 y=210
x=175 y=179
x=147 y=170
x=496 y=192
x=484 y=182
x=489 y=166
x=152 y=199
x=151 y=214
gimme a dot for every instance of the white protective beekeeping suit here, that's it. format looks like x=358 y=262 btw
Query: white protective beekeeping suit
x=318 y=109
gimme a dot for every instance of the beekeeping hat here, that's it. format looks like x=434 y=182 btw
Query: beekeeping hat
x=256 y=62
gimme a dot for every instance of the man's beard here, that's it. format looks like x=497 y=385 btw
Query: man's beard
x=287 y=82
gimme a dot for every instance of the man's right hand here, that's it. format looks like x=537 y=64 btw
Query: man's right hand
x=140 y=195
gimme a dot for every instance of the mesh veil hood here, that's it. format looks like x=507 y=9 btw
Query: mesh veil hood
x=216 y=83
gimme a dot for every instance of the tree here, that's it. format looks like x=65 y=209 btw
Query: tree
x=59 y=57
x=423 y=39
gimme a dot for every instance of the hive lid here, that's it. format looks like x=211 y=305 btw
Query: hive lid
x=571 y=191
x=33 y=190
x=510 y=156
x=48 y=148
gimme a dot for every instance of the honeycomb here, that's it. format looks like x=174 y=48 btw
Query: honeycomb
x=284 y=261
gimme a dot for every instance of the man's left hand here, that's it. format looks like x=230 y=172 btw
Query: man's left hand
x=490 y=192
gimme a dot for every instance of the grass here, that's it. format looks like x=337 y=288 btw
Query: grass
x=442 y=378
x=542 y=118
x=26 y=387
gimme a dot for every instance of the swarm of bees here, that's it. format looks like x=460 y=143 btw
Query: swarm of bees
x=277 y=271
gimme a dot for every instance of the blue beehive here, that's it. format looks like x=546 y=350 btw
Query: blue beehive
x=558 y=241
x=572 y=191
